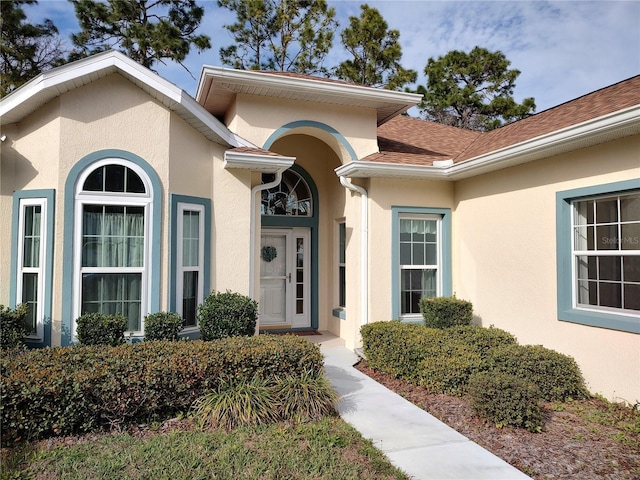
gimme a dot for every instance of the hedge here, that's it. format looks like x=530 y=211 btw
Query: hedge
x=444 y=312
x=82 y=388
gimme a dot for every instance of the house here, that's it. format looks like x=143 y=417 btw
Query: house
x=120 y=192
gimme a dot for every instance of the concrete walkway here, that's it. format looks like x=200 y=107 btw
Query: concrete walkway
x=413 y=440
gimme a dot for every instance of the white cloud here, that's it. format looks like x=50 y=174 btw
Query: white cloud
x=564 y=49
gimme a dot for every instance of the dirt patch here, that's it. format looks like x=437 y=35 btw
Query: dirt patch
x=587 y=439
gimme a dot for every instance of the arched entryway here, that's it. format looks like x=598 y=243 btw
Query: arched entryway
x=288 y=252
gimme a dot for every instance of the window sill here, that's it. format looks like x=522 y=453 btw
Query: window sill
x=340 y=313
x=611 y=321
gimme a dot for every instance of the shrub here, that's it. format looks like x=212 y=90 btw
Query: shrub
x=444 y=312
x=13 y=326
x=304 y=397
x=482 y=340
x=227 y=315
x=557 y=376
x=101 y=329
x=506 y=400
x=81 y=388
x=162 y=326
x=246 y=402
x=448 y=366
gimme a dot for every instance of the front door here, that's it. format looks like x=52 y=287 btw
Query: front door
x=285 y=278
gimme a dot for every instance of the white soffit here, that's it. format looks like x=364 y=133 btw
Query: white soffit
x=218 y=87
x=48 y=85
x=256 y=162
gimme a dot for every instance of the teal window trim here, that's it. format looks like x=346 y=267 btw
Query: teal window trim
x=340 y=313
x=446 y=274
x=312 y=224
x=174 y=200
x=49 y=195
x=566 y=310
x=155 y=257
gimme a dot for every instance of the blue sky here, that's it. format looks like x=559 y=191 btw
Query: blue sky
x=564 y=49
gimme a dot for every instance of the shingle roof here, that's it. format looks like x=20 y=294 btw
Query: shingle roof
x=411 y=141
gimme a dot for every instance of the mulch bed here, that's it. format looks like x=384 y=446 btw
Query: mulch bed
x=569 y=447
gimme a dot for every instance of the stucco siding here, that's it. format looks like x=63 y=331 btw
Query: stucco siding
x=505 y=259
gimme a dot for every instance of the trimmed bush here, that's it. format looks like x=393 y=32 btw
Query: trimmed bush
x=101 y=329
x=81 y=388
x=506 y=400
x=556 y=375
x=448 y=366
x=162 y=326
x=227 y=315
x=13 y=326
x=444 y=312
x=482 y=340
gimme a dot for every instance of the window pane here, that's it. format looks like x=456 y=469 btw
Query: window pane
x=607 y=237
x=632 y=297
x=610 y=295
x=418 y=254
x=112 y=293
x=609 y=268
x=587 y=293
x=342 y=293
x=630 y=208
x=582 y=210
x=189 y=298
x=405 y=253
x=30 y=297
x=31 y=236
x=607 y=211
x=342 y=234
x=134 y=182
x=94 y=182
x=630 y=236
x=114 y=178
x=631 y=268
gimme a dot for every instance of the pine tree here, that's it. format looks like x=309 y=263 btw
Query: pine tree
x=282 y=35
x=472 y=90
x=26 y=50
x=376 y=53
x=148 y=31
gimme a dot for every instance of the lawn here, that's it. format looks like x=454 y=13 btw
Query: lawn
x=325 y=449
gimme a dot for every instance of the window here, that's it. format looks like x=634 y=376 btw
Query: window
x=32 y=260
x=599 y=256
x=189 y=252
x=291 y=197
x=342 y=266
x=112 y=236
x=421 y=257
x=190 y=261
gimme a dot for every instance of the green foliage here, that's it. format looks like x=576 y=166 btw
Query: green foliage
x=472 y=90
x=282 y=35
x=147 y=32
x=376 y=53
x=227 y=315
x=448 y=366
x=78 y=389
x=304 y=397
x=101 y=329
x=444 y=312
x=482 y=340
x=506 y=400
x=556 y=375
x=246 y=402
x=13 y=326
x=162 y=326
x=26 y=49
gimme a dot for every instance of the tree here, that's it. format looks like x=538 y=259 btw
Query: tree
x=26 y=50
x=282 y=35
x=472 y=90
x=148 y=31
x=376 y=53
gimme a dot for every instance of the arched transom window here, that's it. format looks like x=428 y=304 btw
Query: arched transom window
x=292 y=197
x=113 y=203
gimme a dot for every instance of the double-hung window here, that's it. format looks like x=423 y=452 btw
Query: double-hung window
x=190 y=261
x=419 y=261
x=606 y=253
x=112 y=218
x=342 y=265
x=598 y=255
x=31 y=260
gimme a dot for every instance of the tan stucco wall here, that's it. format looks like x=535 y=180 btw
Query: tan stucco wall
x=504 y=256
x=256 y=118
x=112 y=113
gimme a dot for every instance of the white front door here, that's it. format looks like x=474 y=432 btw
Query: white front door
x=284 y=277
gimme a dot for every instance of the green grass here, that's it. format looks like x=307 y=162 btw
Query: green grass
x=325 y=449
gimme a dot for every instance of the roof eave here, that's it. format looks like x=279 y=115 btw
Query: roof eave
x=619 y=124
x=256 y=162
